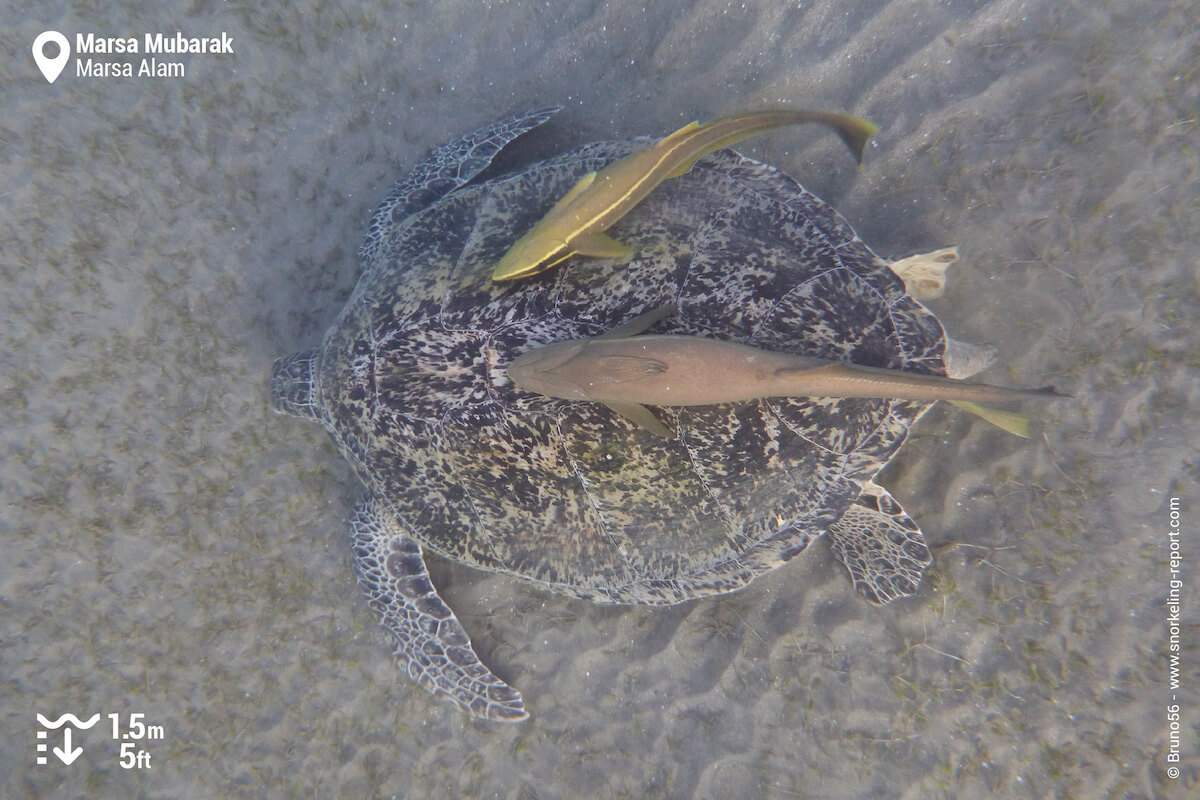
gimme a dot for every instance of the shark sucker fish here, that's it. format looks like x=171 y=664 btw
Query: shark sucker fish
x=577 y=223
x=627 y=373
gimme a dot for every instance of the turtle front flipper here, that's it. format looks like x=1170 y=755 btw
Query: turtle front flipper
x=445 y=169
x=430 y=641
x=880 y=545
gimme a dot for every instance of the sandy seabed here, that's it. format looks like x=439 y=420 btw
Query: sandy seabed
x=173 y=549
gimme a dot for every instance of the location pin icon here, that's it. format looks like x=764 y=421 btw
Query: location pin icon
x=51 y=67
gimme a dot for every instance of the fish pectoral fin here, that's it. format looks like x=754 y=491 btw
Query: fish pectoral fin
x=1009 y=421
x=640 y=323
x=599 y=245
x=642 y=417
x=579 y=188
x=622 y=369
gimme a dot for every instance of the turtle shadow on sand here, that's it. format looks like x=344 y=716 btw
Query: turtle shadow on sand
x=411 y=383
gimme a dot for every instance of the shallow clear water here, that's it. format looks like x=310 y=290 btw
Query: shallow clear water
x=174 y=549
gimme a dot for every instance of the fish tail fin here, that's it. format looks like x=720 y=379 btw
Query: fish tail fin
x=1009 y=421
x=854 y=131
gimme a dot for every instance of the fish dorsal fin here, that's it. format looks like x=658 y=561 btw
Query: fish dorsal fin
x=670 y=141
x=1009 y=421
x=641 y=322
x=642 y=417
x=802 y=364
x=622 y=369
x=713 y=145
x=599 y=245
x=683 y=133
x=686 y=130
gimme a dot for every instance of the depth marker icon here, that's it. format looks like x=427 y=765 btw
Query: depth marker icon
x=67 y=753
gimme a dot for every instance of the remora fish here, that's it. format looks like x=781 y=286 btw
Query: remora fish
x=576 y=223
x=627 y=374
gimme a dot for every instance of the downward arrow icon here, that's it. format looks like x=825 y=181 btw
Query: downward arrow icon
x=65 y=753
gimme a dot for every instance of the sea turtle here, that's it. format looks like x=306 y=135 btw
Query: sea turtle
x=411 y=383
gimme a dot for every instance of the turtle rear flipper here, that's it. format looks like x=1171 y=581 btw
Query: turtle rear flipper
x=880 y=545
x=430 y=641
x=445 y=169
x=924 y=274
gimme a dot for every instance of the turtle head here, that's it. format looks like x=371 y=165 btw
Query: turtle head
x=293 y=384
